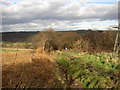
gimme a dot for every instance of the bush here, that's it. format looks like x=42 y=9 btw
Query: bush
x=96 y=41
x=61 y=40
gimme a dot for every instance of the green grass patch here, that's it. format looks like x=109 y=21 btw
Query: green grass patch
x=7 y=50
x=92 y=70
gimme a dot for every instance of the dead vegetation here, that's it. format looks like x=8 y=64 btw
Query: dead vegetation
x=89 y=41
x=27 y=72
x=96 y=41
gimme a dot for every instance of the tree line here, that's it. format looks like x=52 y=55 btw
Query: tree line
x=91 y=41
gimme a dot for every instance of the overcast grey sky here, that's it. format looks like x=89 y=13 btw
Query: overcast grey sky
x=35 y=15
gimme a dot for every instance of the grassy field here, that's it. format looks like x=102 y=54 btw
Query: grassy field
x=22 y=45
x=59 y=70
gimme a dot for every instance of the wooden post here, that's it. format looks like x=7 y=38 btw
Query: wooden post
x=116 y=49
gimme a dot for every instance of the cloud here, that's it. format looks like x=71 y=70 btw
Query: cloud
x=3 y=2
x=104 y=0
x=44 y=11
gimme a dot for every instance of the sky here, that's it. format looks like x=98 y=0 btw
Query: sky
x=37 y=15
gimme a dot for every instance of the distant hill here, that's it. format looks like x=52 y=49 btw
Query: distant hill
x=26 y=36
x=17 y=36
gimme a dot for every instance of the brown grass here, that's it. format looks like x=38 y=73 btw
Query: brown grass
x=23 y=72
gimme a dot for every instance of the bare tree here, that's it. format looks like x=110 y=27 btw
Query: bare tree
x=40 y=39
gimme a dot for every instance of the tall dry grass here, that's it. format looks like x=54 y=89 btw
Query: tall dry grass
x=27 y=73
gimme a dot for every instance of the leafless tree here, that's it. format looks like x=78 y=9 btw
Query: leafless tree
x=40 y=39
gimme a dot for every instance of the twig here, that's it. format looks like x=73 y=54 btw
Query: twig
x=15 y=56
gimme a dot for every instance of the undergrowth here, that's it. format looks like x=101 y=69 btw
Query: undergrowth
x=90 y=70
